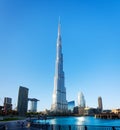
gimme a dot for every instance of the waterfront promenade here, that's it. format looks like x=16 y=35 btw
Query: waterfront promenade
x=75 y=127
x=16 y=125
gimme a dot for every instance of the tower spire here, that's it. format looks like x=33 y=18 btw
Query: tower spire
x=59 y=27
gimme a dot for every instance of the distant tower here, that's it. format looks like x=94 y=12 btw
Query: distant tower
x=7 y=104
x=100 y=106
x=22 y=101
x=33 y=104
x=81 y=100
x=59 y=93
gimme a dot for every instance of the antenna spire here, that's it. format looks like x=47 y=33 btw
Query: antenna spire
x=59 y=27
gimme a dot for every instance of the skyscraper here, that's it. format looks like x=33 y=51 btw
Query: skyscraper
x=59 y=93
x=7 y=104
x=22 y=101
x=81 y=100
x=100 y=106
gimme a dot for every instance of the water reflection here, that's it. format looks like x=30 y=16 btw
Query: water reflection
x=68 y=121
x=82 y=121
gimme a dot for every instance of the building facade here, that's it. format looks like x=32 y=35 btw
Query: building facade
x=90 y=111
x=7 y=104
x=116 y=111
x=71 y=105
x=33 y=107
x=22 y=101
x=100 y=105
x=81 y=100
x=59 y=103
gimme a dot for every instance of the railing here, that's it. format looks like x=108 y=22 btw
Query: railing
x=74 y=127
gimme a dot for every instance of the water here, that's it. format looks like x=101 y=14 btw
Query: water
x=82 y=121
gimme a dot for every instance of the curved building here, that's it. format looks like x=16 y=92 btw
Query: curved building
x=59 y=93
x=81 y=100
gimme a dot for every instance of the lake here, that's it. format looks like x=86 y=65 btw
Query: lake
x=82 y=121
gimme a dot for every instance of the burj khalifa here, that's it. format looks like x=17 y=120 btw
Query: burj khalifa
x=59 y=103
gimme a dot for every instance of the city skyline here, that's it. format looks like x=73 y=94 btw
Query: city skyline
x=90 y=40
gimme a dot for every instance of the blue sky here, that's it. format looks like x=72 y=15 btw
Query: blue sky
x=90 y=32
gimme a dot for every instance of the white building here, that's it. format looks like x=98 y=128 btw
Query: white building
x=81 y=100
x=33 y=107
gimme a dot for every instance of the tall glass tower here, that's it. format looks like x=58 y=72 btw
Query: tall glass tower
x=59 y=93
x=81 y=100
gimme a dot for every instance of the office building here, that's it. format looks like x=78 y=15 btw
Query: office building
x=22 y=101
x=7 y=104
x=100 y=106
x=71 y=105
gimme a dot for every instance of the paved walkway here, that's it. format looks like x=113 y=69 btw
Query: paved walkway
x=18 y=125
